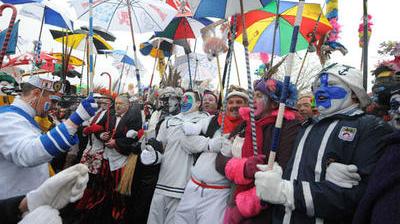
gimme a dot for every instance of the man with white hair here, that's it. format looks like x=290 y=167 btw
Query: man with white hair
x=334 y=155
x=25 y=151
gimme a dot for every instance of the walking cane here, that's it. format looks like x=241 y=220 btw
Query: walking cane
x=9 y=29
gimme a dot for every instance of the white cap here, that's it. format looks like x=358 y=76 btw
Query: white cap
x=349 y=75
x=46 y=83
x=237 y=93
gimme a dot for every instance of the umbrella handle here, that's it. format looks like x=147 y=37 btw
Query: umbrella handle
x=109 y=81
x=9 y=29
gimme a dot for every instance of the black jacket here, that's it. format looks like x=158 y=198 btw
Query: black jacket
x=354 y=139
x=9 y=211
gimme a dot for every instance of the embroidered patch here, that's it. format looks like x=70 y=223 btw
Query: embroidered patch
x=347 y=133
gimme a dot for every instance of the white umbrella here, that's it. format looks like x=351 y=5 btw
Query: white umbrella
x=200 y=67
x=147 y=15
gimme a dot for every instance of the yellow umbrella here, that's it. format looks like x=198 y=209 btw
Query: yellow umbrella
x=77 y=40
x=72 y=59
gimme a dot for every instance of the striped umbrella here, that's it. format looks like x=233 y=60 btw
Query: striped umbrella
x=184 y=28
x=260 y=26
x=225 y=9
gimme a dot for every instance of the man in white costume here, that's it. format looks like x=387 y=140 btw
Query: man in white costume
x=175 y=160
x=24 y=149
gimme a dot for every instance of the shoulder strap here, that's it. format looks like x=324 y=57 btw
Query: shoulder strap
x=21 y=112
x=212 y=127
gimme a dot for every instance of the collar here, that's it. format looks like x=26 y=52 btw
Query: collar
x=350 y=111
x=18 y=102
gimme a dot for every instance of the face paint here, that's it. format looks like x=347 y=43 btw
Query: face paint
x=395 y=111
x=332 y=95
x=173 y=104
x=260 y=103
x=46 y=106
x=189 y=103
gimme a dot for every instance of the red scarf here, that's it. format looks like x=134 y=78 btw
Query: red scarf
x=230 y=123
x=247 y=148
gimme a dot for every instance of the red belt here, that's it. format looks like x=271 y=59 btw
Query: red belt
x=208 y=186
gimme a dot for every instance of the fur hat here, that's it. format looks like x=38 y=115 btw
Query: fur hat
x=273 y=88
x=351 y=76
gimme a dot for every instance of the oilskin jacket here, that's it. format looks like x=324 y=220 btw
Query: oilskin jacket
x=355 y=138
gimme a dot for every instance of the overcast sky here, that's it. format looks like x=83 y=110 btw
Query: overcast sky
x=350 y=12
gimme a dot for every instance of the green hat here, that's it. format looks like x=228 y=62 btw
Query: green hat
x=8 y=78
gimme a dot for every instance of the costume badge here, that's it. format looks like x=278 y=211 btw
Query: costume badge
x=347 y=133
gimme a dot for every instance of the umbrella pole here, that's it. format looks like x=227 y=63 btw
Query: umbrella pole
x=127 y=73
x=120 y=77
x=90 y=47
x=87 y=67
x=309 y=44
x=134 y=48
x=38 y=46
x=236 y=65
x=279 y=119
x=301 y=68
x=274 y=36
x=221 y=87
x=9 y=29
x=155 y=62
x=365 y=46
x=249 y=82
x=83 y=66
x=228 y=70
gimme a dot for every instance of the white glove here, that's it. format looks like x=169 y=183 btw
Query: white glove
x=342 y=175
x=190 y=128
x=86 y=109
x=272 y=188
x=60 y=189
x=42 y=215
x=131 y=134
x=217 y=143
x=149 y=156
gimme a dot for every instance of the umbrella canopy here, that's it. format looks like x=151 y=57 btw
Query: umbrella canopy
x=147 y=15
x=37 y=9
x=260 y=25
x=200 y=67
x=223 y=8
x=102 y=32
x=121 y=56
x=184 y=28
x=77 y=40
x=72 y=59
x=155 y=48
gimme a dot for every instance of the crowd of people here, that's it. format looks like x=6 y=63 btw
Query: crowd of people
x=179 y=156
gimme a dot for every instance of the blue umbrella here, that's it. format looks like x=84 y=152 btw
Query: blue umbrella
x=122 y=57
x=13 y=39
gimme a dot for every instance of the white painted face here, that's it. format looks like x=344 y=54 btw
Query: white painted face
x=395 y=111
x=332 y=94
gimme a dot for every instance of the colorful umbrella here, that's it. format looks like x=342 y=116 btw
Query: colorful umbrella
x=77 y=40
x=184 y=28
x=260 y=25
x=223 y=8
x=157 y=48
